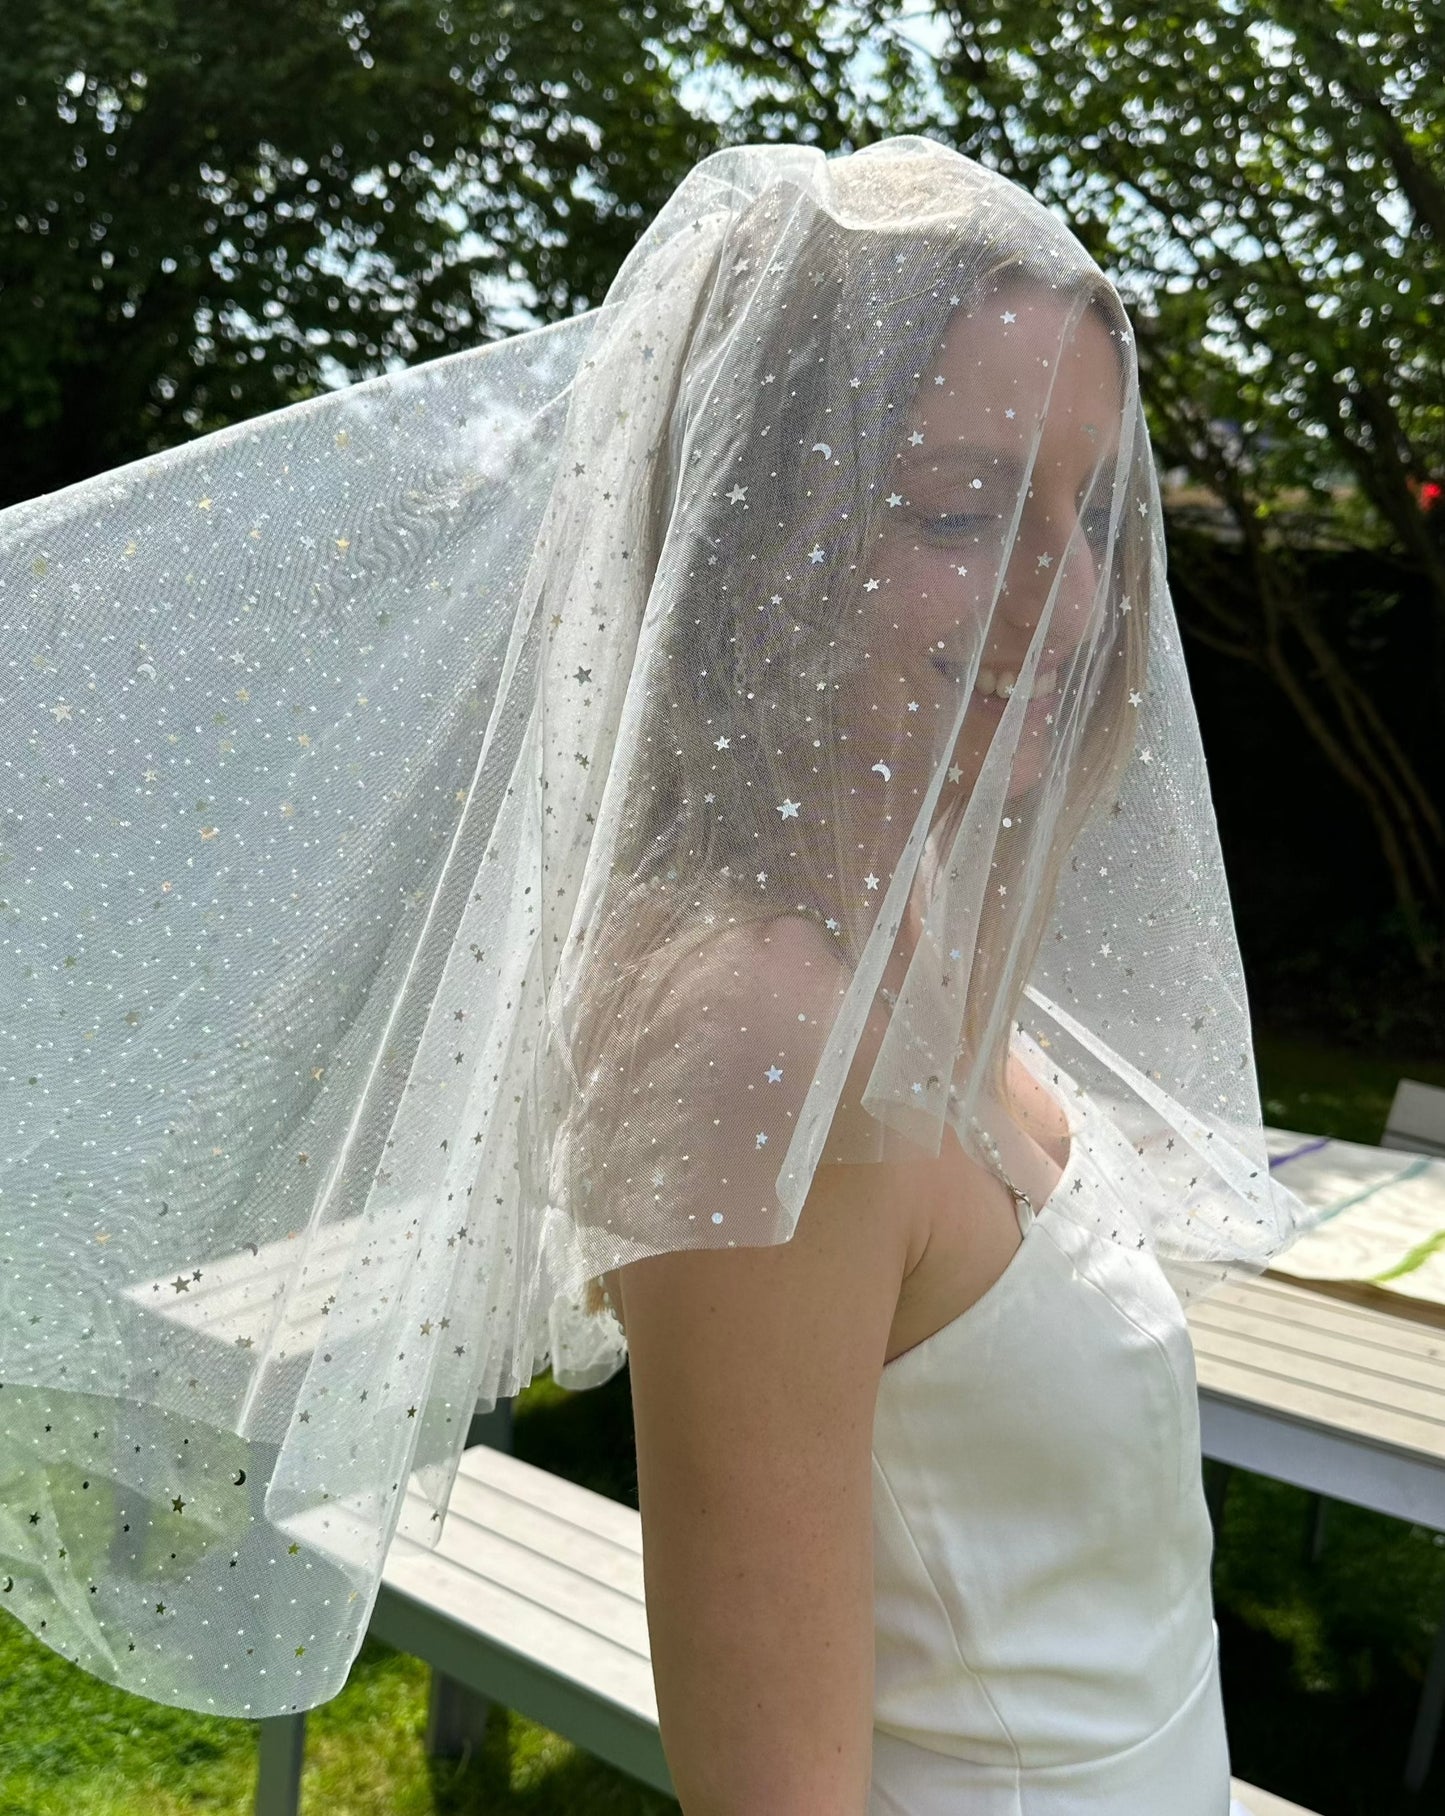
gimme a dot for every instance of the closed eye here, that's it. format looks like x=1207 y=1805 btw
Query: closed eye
x=953 y=523
x=945 y=525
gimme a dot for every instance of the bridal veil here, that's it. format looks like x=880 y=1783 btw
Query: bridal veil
x=526 y=813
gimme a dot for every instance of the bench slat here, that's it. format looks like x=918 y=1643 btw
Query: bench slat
x=564 y=1647
x=552 y=1494
x=485 y=1504
x=543 y=1582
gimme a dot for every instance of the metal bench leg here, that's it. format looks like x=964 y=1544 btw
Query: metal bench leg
x=1427 y=1716
x=278 y=1777
x=1216 y=1486
x=494 y=1427
x=1317 y=1508
x=456 y=1720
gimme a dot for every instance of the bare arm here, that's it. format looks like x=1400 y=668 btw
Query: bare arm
x=754 y=1377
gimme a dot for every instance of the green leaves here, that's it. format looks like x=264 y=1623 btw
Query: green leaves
x=209 y=211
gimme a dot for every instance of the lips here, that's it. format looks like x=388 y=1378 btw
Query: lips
x=993 y=706
x=999 y=684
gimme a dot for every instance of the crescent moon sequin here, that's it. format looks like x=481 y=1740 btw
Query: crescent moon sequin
x=821 y=447
x=883 y=770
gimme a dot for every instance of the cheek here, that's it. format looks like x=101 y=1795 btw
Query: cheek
x=922 y=593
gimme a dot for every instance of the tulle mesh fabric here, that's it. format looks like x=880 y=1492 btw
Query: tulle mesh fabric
x=526 y=813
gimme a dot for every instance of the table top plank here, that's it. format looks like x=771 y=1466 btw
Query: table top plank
x=1300 y=1337
x=1382 y=1398
x=1361 y=1374
x=1358 y=1344
x=1350 y=1420
x=1290 y=1341
x=1381 y=1320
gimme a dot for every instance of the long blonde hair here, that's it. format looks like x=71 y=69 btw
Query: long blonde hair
x=672 y=894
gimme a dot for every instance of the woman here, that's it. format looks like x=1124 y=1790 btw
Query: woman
x=755 y=907
x=952 y=1421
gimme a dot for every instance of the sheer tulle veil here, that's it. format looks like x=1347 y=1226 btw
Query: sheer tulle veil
x=525 y=813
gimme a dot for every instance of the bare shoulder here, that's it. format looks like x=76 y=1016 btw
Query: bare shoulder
x=765 y=962
x=744 y=1028
x=755 y=1355
x=796 y=940
x=1038 y=1109
x=710 y=1067
x=735 y=1037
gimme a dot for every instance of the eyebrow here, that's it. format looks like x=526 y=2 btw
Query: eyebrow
x=956 y=453
x=967 y=454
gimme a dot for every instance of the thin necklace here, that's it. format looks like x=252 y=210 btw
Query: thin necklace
x=1021 y=1198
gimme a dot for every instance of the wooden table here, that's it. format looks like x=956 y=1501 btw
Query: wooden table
x=1344 y=1398
x=1337 y=1387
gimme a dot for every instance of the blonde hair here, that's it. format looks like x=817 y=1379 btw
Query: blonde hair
x=670 y=896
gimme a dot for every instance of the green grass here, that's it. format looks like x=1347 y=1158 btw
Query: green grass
x=1322 y=1661
x=1327 y=1091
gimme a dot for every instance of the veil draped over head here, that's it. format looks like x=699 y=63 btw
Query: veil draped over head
x=528 y=812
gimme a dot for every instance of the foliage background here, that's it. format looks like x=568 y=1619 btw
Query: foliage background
x=208 y=211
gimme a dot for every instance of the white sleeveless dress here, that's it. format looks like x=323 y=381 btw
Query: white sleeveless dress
x=1046 y=1643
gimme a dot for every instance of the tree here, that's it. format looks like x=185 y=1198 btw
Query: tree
x=208 y=211
x=1266 y=185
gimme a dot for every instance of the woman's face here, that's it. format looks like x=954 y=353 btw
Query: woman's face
x=1003 y=377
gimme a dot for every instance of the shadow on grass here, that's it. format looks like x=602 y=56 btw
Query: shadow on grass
x=1322 y=1661
x=584 y=1437
x=523 y=1770
x=1323 y=1090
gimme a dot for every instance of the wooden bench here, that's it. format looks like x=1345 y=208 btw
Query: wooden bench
x=533 y=1599
x=1416 y=1121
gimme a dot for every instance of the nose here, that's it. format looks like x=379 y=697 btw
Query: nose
x=1052 y=581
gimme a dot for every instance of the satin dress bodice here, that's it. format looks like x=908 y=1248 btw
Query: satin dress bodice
x=1045 y=1640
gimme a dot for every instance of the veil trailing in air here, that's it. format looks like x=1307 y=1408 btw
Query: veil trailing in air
x=526 y=813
